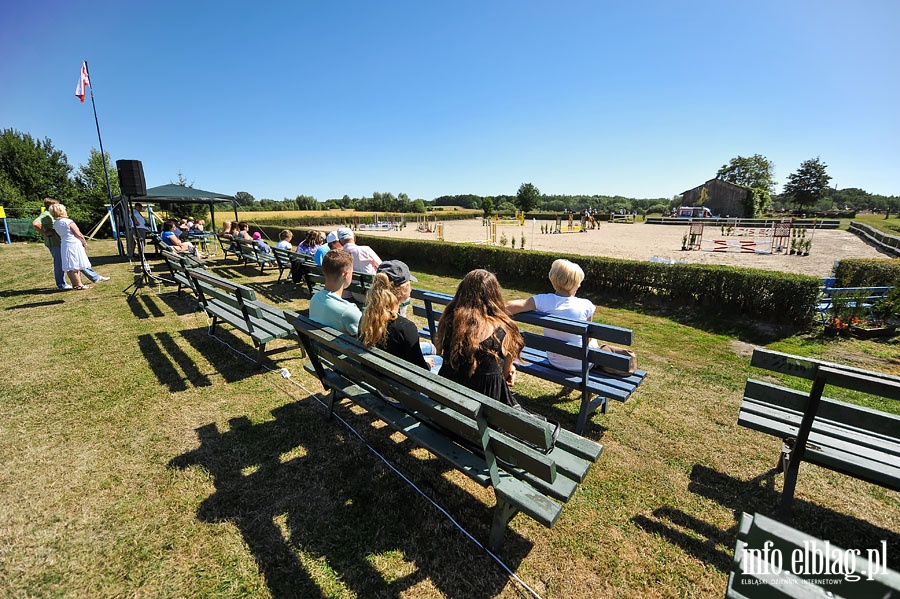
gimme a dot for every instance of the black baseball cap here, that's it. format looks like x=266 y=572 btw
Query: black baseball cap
x=397 y=272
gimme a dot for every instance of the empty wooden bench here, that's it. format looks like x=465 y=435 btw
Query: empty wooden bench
x=774 y=560
x=841 y=436
x=238 y=306
x=492 y=443
x=247 y=251
x=596 y=386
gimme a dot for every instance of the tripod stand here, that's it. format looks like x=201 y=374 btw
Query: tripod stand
x=146 y=277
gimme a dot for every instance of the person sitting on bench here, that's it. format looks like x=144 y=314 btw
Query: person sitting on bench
x=326 y=306
x=383 y=325
x=478 y=340
x=170 y=238
x=566 y=277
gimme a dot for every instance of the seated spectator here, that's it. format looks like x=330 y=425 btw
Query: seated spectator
x=244 y=231
x=326 y=305
x=199 y=225
x=478 y=340
x=364 y=258
x=172 y=239
x=383 y=326
x=235 y=229
x=314 y=239
x=284 y=240
x=566 y=277
x=261 y=246
x=226 y=229
x=331 y=243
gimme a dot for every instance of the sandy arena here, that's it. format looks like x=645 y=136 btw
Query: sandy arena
x=640 y=241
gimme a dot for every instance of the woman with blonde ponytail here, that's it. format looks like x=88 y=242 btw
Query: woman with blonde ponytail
x=382 y=325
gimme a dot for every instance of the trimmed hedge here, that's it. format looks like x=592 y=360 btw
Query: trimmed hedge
x=332 y=222
x=868 y=272
x=768 y=296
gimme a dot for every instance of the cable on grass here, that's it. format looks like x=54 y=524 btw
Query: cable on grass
x=523 y=586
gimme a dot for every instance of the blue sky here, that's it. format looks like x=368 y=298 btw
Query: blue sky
x=640 y=99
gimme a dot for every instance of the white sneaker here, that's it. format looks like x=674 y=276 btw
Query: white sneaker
x=101 y=279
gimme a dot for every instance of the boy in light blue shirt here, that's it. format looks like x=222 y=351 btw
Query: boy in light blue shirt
x=327 y=306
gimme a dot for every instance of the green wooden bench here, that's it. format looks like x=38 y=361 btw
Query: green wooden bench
x=596 y=386
x=225 y=244
x=248 y=253
x=494 y=444
x=283 y=260
x=179 y=265
x=844 y=437
x=238 y=306
x=773 y=560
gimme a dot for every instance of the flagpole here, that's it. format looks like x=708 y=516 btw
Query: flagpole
x=102 y=153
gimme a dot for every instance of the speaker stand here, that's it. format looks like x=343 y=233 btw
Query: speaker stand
x=146 y=277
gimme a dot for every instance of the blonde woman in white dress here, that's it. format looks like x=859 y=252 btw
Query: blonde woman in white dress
x=72 y=252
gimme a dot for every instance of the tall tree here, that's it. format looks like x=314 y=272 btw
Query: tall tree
x=35 y=169
x=91 y=195
x=487 y=206
x=528 y=197
x=757 y=172
x=244 y=199
x=808 y=184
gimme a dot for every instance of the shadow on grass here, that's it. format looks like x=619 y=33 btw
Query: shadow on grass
x=547 y=405
x=18 y=292
x=317 y=510
x=224 y=349
x=173 y=368
x=716 y=546
x=36 y=305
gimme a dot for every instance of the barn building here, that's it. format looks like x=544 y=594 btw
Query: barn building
x=723 y=198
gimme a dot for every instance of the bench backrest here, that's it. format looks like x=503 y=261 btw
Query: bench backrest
x=432 y=309
x=772 y=559
x=314 y=277
x=492 y=427
x=212 y=288
x=825 y=373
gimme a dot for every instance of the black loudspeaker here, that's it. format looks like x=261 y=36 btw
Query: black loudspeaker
x=131 y=178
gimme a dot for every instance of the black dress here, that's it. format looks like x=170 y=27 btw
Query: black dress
x=402 y=340
x=488 y=377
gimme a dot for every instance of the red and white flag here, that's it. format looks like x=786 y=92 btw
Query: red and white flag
x=83 y=82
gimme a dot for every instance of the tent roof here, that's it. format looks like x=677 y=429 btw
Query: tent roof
x=180 y=193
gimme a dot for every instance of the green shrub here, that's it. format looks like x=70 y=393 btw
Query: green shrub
x=868 y=272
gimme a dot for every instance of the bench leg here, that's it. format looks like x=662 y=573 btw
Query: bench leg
x=330 y=407
x=585 y=412
x=503 y=513
x=261 y=356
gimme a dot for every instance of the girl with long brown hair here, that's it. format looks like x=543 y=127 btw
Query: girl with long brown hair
x=478 y=340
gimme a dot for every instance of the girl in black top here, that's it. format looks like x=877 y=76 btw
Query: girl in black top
x=382 y=325
x=478 y=340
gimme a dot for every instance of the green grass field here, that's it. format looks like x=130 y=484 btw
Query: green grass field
x=143 y=457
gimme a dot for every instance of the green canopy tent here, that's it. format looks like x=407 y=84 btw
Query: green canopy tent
x=179 y=194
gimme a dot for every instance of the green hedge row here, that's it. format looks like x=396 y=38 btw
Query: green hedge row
x=868 y=272
x=773 y=297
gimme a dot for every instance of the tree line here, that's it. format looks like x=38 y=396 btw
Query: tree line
x=32 y=169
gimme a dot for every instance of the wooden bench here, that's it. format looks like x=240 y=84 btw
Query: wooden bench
x=764 y=565
x=247 y=251
x=283 y=260
x=238 y=306
x=858 y=299
x=596 y=386
x=225 y=244
x=844 y=437
x=492 y=443
x=179 y=265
